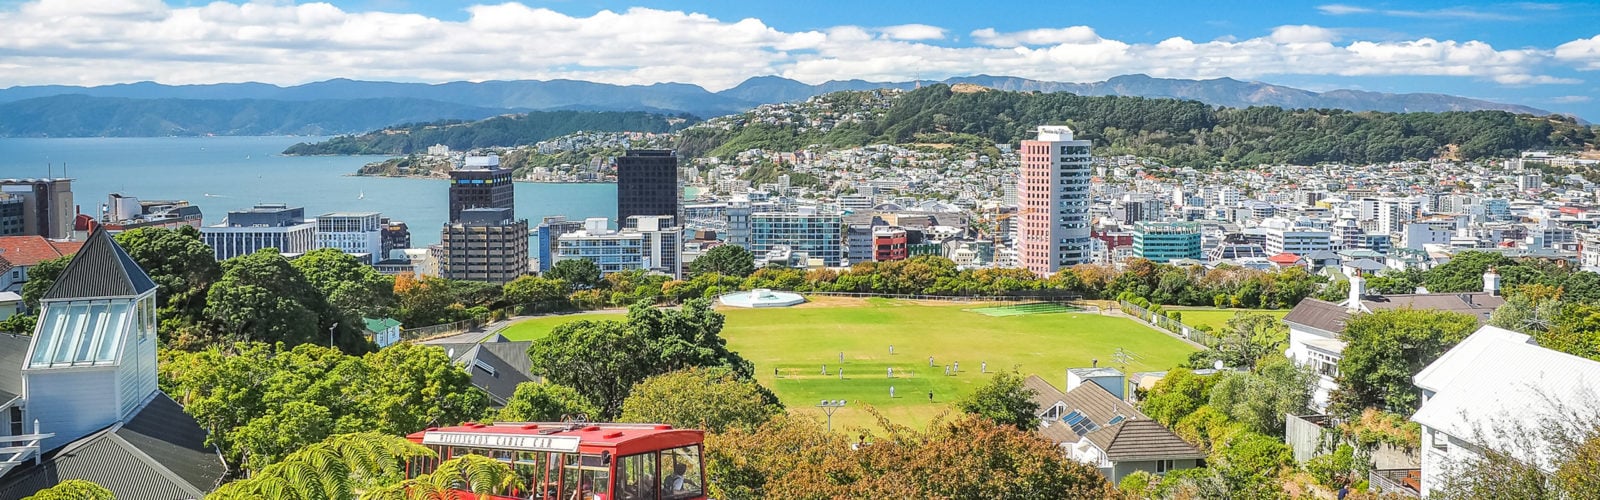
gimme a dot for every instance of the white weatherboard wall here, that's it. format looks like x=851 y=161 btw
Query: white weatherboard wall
x=71 y=403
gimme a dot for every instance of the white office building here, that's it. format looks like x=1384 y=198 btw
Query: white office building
x=277 y=226
x=1297 y=240
x=355 y=233
x=653 y=243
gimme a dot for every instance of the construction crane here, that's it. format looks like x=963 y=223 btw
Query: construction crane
x=990 y=225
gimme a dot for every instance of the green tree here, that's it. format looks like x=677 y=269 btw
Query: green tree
x=583 y=274
x=1003 y=399
x=1246 y=338
x=413 y=386
x=19 y=323
x=971 y=457
x=182 y=266
x=261 y=297
x=534 y=293
x=354 y=289
x=41 y=277
x=73 y=489
x=1385 y=349
x=1177 y=395
x=545 y=402
x=1259 y=399
x=604 y=359
x=1464 y=272
x=477 y=474
x=712 y=399
x=333 y=469
x=267 y=439
x=727 y=260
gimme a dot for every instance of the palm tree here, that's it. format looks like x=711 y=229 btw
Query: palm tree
x=334 y=469
x=478 y=474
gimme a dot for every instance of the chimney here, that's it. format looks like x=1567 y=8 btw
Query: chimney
x=1358 y=289
x=1491 y=282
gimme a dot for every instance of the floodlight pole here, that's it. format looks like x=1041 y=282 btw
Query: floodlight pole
x=828 y=407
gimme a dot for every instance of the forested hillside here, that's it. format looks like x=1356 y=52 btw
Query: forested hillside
x=85 y=116
x=1183 y=133
x=500 y=131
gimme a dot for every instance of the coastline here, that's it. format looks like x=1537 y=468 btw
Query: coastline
x=445 y=178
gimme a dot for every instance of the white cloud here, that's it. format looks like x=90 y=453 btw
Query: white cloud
x=1465 y=13
x=1571 y=99
x=1303 y=34
x=913 y=32
x=1045 y=36
x=1585 y=51
x=48 y=41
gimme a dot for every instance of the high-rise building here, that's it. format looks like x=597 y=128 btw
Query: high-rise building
x=480 y=183
x=484 y=244
x=1165 y=241
x=11 y=214
x=355 y=233
x=889 y=243
x=266 y=225
x=47 y=208
x=647 y=184
x=550 y=232
x=1053 y=201
x=396 y=236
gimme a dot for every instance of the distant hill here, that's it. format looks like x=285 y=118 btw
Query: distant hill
x=1182 y=133
x=469 y=100
x=1217 y=92
x=500 y=131
x=85 y=116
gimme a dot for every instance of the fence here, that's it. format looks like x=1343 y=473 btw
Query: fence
x=429 y=331
x=1163 y=322
x=1068 y=298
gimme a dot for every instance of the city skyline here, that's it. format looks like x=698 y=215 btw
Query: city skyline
x=1546 y=61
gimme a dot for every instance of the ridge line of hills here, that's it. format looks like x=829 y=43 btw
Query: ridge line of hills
x=349 y=106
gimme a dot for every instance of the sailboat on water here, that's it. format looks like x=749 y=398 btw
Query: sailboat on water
x=362 y=196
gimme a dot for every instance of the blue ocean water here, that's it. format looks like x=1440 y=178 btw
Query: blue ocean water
x=228 y=173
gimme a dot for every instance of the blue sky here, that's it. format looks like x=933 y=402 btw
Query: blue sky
x=1544 y=54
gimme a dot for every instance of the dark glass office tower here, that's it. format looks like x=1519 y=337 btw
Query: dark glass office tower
x=647 y=184
x=480 y=184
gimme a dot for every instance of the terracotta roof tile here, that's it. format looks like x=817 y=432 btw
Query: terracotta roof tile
x=27 y=251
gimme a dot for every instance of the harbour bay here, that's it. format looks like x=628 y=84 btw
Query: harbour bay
x=229 y=173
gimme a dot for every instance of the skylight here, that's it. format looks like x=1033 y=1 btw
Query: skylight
x=80 y=333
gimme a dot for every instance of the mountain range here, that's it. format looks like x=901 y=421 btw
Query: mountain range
x=348 y=106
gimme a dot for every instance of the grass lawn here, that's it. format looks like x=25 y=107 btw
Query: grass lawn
x=799 y=341
x=1218 y=318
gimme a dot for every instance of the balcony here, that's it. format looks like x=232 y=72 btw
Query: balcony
x=1407 y=482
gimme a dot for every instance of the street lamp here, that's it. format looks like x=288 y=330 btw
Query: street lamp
x=330 y=334
x=829 y=406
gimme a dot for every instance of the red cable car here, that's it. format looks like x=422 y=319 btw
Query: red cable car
x=579 y=460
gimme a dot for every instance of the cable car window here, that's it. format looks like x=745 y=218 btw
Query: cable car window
x=530 y=471
x=586 y=478
x=636 y=477
x=682 y=478
x=569 y=478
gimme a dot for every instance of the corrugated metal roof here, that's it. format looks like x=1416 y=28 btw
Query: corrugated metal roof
x=100 y=269
x=13 y=352
x=159 y=455
x=1319 y=314
x=163 y=431
x=1496 y=380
